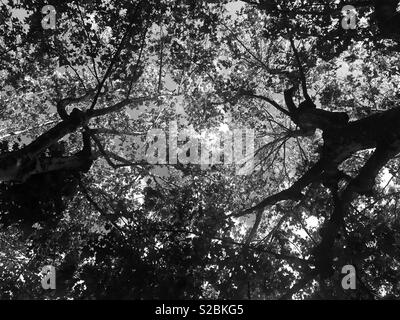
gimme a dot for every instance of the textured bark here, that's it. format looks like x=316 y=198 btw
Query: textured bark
x=379 y=131
x=21 y=164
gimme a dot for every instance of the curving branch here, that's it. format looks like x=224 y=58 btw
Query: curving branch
x=361 y=184
x=116 y=132
x=301 y=70
x=255 y=227
x=269 y=100
x=63 y=103
x=292 y=193
x=126 y=37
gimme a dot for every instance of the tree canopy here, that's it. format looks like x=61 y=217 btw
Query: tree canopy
x=318 y=86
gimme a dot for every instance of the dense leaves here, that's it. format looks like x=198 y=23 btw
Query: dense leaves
x=123 y=228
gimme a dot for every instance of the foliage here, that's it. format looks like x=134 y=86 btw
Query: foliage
x=126 y=229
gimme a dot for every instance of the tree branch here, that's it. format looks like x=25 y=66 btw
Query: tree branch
x=292 y=193
x=270 y=101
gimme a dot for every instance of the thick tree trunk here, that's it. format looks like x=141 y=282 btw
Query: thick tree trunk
x=21 y=164
x=21 y=171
